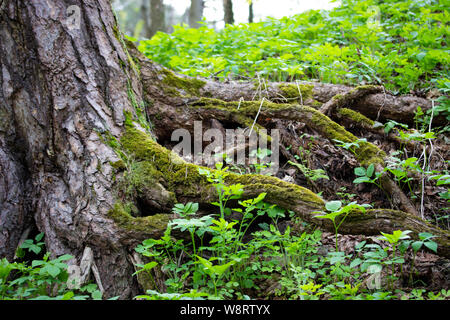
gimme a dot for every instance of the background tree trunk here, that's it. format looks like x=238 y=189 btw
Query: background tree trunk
x=157 y=17
x=250 y=12
x=196 y=13
x=145 y=11
x=228 y=11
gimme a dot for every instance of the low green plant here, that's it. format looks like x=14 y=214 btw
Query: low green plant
x=336 y=210
x=224 y=192
x=389 y=125
x=155 y=295
x=346 y=197
x=424 y=240
x=368 y=175
x=167 y=253
x=442 y=179
x=394 y=240
x=401 y=170
x=42 y=279
x=405 y=50
x=260 y=154
x=311 y=174
x=351 y=146
x=416 y=135
x=215 y=272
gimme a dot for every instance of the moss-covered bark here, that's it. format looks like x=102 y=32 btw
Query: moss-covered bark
x=366 y=154
x=355 y=117
x=187 y=184
x=192 y=101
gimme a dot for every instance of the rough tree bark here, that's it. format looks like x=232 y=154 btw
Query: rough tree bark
x=61 y=87
x=76 y=100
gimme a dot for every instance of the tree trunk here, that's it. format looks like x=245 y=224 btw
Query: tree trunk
x=157 y=17
x=196 y=13
x=77 y=101
x=228 y=11
x=250 y=12
x=63 y=85
x=145 y=11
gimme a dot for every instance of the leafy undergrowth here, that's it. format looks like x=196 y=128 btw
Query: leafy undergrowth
x=399 y=44
x=257 y=250
x=35 y=276
x=416 y=162
x=251 y=252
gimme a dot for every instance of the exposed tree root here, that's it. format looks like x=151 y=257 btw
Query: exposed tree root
x=377 y=105
x=184 y=180
x=348 y=98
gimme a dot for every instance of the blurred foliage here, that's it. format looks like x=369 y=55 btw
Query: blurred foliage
x=400 y=44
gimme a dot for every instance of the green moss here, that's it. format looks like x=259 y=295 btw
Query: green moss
x=141 y=174
x=316 y=104
x=142 y=224
x=128 y=118
x=142 y=147
x=355 y=116
x=367 y=153
x=277 y=189
x=184 y=178
x=329 y=128
x=245 y=107
x=248 y=122
x=108 y=139
x=126 y=44
x=367 y=87
x=175 y=171
x=175 y=85
x=290 y=91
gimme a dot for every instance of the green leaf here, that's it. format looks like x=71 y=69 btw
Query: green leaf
x=416 y=245
x=421 y=55
x=431 y=245
x=39 y=237
x=360 y=171
x=426 y=236
x=336 y=257
x=331 y=216
x=97 y=295
x=65 y=257
x=52 y=270
x=370 y=170
x=259 y=198
x=36 y=263
x=68 y=296
x=355 y=263
x=146 y=267
x=333 y=205
x=396 y=236
x=361 y=180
